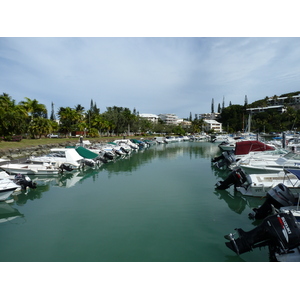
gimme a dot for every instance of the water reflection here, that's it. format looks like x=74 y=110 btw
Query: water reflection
x=128 y=165
x=234 y=199
x=8 y=213
x=236 y=204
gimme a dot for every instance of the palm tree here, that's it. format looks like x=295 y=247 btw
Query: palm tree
x=12 y=116
x=40 y=126
x=69 y=118
x=34 y=108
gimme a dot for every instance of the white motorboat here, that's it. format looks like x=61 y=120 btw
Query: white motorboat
x=242 y=150
x=259 y=155
x=290 y=160
x=126 y=145
x=221 y=138
x=13 y=183
x=185 y=138
x=227 y=146
x=59 y=156
x=7 y=187
x=258 y=185
x=30 y=169
x=171 y=139
x=160 y=140
x=199 y=137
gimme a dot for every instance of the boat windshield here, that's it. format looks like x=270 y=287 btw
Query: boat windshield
x=292 y=155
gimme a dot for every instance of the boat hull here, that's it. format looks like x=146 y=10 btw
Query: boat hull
x=4 y=194
x=29 y=170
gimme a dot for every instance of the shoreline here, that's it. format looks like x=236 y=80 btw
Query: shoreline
x=23 y=151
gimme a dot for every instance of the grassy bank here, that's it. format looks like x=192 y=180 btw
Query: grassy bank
x=45 y=141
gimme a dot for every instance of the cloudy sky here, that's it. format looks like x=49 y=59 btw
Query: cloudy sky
x=157 y=57
x=152 y=75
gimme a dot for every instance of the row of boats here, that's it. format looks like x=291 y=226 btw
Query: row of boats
x=16 y=176
x=272 y=173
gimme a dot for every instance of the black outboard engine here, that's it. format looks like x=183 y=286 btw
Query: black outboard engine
x=108 y=156
x=278 y=231
x=64 y=167
x=102 y=159
x=124 y=150
x=224 y=160
x=277 y=197
x=236 y=177
x=118 y=152
x=89 y=163
x=24 y=181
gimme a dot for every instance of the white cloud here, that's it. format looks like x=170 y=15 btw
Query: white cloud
x=153 y=75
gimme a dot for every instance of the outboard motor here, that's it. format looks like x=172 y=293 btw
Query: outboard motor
x=124 y=150
x=108 y=155
x=236 y=177
x=24 y=181
x=118 y=152
x=64 y=167
x=224 y=160
x=277 y=197
x=278 y=231
x=102 y=159
x=217 y=158
x=89 y=162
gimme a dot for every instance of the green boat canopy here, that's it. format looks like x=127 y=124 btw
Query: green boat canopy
x=86 y=153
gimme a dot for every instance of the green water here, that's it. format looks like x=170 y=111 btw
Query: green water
x=158 y=205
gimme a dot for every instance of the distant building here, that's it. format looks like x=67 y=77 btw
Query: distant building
x=278 y=108
x=212 y=125
x=209 y=116
x=294 y=100
x=169 y=119
x=150 y=117
x=184 y=123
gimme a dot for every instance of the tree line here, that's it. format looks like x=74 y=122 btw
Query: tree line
x=29 y=119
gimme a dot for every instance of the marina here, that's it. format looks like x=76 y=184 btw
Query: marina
x=154 y=203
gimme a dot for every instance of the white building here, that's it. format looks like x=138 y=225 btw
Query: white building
x=212 y=125
x=150 y=117
x=184 y=123
x=209 y=116
x=294 y=100
x=278 y=108
x=169 y=119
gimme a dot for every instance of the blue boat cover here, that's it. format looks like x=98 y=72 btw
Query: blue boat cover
x=295 y=172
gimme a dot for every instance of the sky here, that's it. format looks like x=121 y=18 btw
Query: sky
x=179 y=75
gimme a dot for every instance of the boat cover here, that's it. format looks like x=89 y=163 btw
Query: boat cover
x=86 y=153
x=244 y=147
x=294 y=171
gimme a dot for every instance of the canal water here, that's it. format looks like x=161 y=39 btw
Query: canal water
x=157 y=205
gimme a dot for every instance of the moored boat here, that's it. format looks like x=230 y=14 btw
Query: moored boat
x=56 y=157
x=290 y=160
x=30 y=169
x=257 y=185
x=279 y=232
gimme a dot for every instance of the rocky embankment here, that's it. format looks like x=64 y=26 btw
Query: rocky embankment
x=20 y=153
